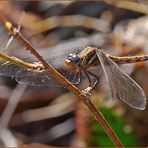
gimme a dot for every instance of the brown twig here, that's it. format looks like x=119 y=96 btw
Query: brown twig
x=85 y=98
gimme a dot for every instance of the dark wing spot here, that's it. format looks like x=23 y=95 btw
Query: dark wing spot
x=145 y=57
x=138 y=59
x=128 y=60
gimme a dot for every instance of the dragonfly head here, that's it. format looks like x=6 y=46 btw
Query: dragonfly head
x=72 y=60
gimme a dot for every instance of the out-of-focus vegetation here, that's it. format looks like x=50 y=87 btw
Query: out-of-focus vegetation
x=50 y=116
x=117 y=122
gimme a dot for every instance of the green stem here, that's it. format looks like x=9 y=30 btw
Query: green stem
x=18 y=62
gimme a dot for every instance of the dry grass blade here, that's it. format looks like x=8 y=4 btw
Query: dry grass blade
x=7 y=114
x=129 y=5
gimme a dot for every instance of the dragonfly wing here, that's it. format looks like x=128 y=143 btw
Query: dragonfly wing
x=121 y=85
x=8 y=69
x=38 y=78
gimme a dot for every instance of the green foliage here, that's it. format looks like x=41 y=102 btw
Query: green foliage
x=117 y=122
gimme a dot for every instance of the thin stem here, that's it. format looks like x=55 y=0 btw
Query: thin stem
x=104 y=123
x=85 y=98
x=19 y=62
x=69 y=21
x=129 y=5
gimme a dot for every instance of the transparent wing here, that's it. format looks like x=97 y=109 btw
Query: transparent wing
x=8 y=69
x=36 y=78
x=39 y=78
x=121 y=85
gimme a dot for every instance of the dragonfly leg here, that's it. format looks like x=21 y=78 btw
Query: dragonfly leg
x=88 y=76
x=77 y=76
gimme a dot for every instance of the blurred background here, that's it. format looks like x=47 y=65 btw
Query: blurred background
x=50 y=116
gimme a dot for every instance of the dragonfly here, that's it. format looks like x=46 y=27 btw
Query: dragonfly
x=121 y=85
x=77 y=64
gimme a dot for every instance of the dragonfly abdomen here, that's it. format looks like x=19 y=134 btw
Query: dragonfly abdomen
x=129 y=59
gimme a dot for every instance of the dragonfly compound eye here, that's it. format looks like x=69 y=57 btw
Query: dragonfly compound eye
x=72 y=60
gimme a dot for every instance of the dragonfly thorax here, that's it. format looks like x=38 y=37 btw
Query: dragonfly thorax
x=73 y=61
